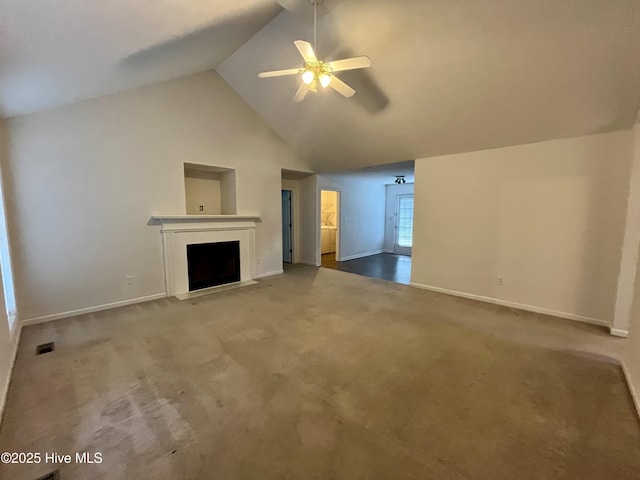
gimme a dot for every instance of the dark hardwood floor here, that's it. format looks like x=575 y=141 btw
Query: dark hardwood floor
x=387 y=266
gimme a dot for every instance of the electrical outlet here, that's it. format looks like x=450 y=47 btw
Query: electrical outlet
x=129 y=280
x=500 y=282
x=258 y=260
x=202 y=208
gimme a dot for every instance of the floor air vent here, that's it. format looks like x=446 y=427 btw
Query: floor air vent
x=50 y=476
x=40 y=349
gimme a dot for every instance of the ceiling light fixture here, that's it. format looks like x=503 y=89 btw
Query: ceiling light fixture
x=400 y=179
x=318 y=73
x=325 y=80
x=308 y=77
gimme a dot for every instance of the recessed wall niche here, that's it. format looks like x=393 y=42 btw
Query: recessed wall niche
x=209 y=190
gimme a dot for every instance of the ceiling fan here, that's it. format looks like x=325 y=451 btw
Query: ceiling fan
x=317 y=73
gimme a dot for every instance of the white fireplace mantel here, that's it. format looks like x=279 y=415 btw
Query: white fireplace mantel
x=178 y=231
x=187 y=222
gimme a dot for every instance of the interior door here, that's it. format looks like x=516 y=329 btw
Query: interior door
x=287 y=227
x=404 y=224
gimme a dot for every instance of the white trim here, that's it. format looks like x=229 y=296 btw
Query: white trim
x=165 y=219
x=617 y=332
x=7 y=382
x=13 y=321
x=97 y=308
x=520 y=306
x=15 y=331
x=270 y=274
x=312 y=264
x=632 y=389
x=172 y=228
x=360 y=255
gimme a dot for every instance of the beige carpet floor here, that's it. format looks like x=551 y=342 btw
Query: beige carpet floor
x=321 y=374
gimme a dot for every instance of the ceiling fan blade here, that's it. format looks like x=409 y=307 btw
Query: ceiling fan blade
x=301 y=93
x=350 y=63
x=306 y=50
x=341 y=87
x=279 y=73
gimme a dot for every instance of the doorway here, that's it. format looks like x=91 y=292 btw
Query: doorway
x=329 y=225
x=404 y=225
x=287 y=226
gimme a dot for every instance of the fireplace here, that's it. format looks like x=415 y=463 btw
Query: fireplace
x=187 y=237
x=213 y=264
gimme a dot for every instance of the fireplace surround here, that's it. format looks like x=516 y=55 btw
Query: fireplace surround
x=180 y=231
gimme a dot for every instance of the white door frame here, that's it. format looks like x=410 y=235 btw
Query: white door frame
x=396 y=248
x=338 y=222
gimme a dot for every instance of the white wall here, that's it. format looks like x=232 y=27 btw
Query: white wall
x=548 y=218
x=362 y=212
x=202 y=189
x=632 y=347
x=631 y=360
x=309 y=221
x=630 y=247
x=84 y=179
x=392 y=191
x=228 y=199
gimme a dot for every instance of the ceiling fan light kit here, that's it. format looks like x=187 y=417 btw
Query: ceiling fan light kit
x=317 y=73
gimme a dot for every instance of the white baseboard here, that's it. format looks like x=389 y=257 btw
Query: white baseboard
x=312 y=264
x=632 y=388
x=97 y=308
x=519 y=306
x=360 y=255
x=14 y=353
x=616 y=332
x=270 y=274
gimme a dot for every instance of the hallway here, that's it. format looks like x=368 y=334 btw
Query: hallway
x=386 y=266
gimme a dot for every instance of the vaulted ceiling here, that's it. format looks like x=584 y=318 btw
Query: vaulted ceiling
x=448 y=75
x=60 y=51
